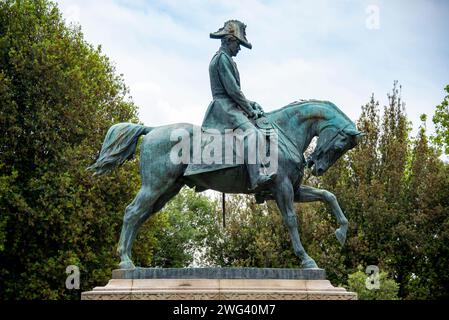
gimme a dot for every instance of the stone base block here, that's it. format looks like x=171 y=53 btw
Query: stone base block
x=218 y=289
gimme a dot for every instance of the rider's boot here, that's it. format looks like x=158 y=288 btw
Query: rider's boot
x=259 y=181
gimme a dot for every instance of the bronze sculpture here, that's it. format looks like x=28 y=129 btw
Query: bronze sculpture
x=295 y=126
x=230 y=109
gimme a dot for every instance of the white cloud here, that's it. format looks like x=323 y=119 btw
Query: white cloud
x=302 y=49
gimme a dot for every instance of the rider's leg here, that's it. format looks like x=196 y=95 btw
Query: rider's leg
x=253 y=157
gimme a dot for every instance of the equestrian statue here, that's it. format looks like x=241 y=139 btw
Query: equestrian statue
x=166 y=151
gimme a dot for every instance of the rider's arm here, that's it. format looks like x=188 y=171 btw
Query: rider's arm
x=230 y=84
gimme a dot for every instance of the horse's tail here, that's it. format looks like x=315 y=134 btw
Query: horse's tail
x=119 y=145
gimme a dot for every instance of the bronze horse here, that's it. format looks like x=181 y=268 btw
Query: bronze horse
x=162 y=179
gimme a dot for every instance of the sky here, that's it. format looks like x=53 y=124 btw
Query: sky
x=337 y=50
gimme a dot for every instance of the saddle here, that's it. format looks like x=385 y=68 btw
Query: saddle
x=263 y=124
x=267 y=128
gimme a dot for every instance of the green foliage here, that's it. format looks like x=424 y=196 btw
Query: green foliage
x=441 y=121
x=183 y=236
x=58 y=97
x=388 y=288
x=395 y=192
x=254 y=236
x=395 y=196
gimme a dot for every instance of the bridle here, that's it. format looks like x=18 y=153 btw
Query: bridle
x=325 y=147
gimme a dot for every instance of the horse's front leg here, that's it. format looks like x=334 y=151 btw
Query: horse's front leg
x=284 y=196
x=309 y=194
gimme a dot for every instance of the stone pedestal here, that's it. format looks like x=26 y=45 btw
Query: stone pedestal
x=218 y=284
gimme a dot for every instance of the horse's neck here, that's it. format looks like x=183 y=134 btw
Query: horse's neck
x=302 y=122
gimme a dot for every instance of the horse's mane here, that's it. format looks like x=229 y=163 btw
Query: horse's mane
x=302 y=103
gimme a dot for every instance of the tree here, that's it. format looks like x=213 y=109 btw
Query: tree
x=367 y=183
x=393 y=189
x=181 y=241
x=395 y=192
x=441 y=120
x=58 y=97
x=254 y=236
x=427 y=228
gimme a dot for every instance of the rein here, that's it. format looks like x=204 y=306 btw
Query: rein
x=326 y=146
x=295 y=147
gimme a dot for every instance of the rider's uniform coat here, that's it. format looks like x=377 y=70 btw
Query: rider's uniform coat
x=229 y=108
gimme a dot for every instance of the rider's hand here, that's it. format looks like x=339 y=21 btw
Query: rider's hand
x=257 y=108
x=250 y=114
x=257 y=114
x=253 y=115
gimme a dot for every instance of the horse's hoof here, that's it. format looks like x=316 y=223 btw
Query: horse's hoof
x=341 y=236
x=126 y=265
x=309 y=263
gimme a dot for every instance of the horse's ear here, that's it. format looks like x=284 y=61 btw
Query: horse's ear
x=353 y=132
x=358 y=135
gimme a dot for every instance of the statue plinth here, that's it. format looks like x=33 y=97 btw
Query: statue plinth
x=218 y=284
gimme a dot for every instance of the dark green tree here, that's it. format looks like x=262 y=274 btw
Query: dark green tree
x=58 y=97
x=426 y=229
x=393 y=189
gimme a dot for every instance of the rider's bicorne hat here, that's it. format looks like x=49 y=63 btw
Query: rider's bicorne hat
x=233 y=28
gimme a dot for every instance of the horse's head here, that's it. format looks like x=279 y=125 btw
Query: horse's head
x=332 y=143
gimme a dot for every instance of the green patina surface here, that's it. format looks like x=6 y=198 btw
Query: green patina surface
x=296 y=125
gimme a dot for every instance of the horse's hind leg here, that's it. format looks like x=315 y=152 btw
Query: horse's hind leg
x=160 y=182
x=147 y=202
x=137 y=210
